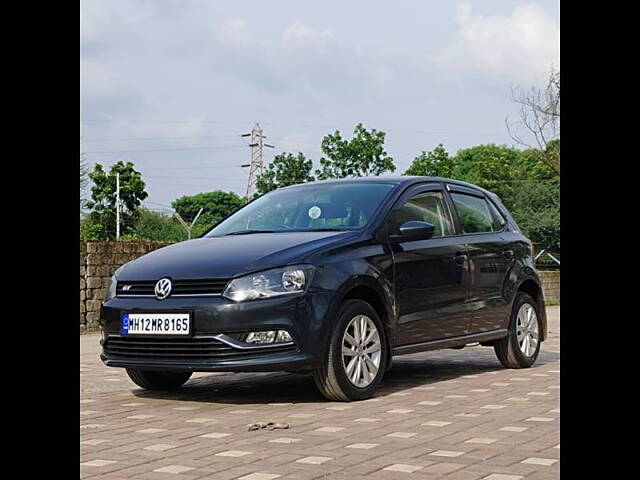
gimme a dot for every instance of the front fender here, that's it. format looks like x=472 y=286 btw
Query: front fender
x=351 y=276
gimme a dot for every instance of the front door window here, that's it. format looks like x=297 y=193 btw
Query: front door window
x=427 y=207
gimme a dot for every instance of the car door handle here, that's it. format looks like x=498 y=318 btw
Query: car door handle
x=460 y=258
x=508 y=253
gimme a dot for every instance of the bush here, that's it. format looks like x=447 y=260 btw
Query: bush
x=150 y=227
x=90 y=231
x=158 y=227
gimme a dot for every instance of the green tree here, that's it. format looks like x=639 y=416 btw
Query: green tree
x=435 y=163
x=536 y=209
x=363 y=155
x=494 y=167
x=90 y=231
x=524 y=183
x=285 y=169
x=158 y=227
x=216 y=205
x=102 y=206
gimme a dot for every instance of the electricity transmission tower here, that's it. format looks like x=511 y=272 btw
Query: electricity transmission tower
x=257 y=162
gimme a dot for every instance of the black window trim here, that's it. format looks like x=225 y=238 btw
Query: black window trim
x=495 y=219
x=452 y=187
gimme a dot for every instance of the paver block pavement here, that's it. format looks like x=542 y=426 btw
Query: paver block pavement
x=449 y=414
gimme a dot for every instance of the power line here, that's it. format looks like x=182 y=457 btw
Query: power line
x=306 y=150
x=192 y=178
x=120 y=120
x=155 y=138
x=191 y=168
x=405 y=130
x=186 y=184
x=161 y=204
x=165 y=149
x=302 y=125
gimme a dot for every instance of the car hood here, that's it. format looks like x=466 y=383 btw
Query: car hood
x=230 y=256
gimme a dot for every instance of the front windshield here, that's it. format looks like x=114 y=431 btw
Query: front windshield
x=339 y=206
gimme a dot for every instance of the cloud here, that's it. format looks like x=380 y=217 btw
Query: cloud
x=234 y=32
x=157 y=69
x=323 y=66
x=520 y=47
x=297 y=142
x=102 y=90
x=299 y=35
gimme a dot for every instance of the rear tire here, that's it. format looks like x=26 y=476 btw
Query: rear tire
x=353 y=370
x=513 y=351
x=156 y=380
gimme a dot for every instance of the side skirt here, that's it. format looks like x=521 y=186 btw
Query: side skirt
x=450 y=342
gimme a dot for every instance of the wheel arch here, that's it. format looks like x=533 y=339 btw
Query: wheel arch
x=533 y=287
x=367 y=289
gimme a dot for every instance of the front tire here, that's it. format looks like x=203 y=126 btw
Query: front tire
x=156 y=380
x=357 y=355
x=520 y=348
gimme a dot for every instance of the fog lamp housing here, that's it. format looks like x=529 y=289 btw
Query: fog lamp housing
x=268 y=337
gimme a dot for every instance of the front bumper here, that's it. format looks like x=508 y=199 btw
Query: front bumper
x=266 y=362
x=302 y=316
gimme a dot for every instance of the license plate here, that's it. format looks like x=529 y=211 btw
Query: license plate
x=155 y=324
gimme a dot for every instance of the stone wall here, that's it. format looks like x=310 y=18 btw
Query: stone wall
x=98 y=261
x=551 y=286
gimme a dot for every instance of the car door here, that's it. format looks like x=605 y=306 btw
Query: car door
x=490 y=257
x=430 y=276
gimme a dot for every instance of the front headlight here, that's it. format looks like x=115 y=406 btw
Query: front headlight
x=270 y=283
x=111 y=289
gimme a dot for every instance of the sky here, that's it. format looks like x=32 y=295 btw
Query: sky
x=170 y=85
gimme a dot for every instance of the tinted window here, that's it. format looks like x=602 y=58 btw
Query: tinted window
x=427 y=207
x=346 y=206
x=498 y=216
x=473 y=213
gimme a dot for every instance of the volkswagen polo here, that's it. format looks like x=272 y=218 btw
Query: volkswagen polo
x=331 y=278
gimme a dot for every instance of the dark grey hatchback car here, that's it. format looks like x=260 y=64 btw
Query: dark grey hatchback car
x=331 y=278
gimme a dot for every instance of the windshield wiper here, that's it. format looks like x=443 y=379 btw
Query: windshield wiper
x=329 y=229
x=325 y=229
x=247 y=232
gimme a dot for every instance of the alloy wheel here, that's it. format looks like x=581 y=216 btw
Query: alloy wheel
x=527 y=329
x=361 y=351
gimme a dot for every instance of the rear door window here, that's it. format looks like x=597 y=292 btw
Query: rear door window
x=473 y=212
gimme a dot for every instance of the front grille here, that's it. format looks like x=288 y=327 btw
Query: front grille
x=179 y=288
x=191 y=349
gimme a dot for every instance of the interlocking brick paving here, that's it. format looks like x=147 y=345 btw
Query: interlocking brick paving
x=449 y=414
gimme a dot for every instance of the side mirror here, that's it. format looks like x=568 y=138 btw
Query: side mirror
x=414 y=230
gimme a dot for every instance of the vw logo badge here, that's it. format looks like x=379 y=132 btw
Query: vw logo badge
x=163 y=288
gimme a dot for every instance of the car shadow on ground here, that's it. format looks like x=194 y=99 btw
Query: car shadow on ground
x=408 y=372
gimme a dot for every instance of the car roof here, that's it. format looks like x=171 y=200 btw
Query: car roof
x=405 y=180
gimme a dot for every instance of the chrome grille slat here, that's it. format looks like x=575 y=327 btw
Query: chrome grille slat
x=189 y=287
